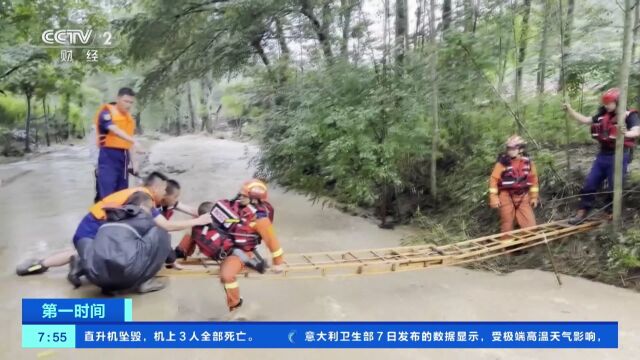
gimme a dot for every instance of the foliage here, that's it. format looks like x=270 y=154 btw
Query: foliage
x=12 y=110
x=625 y=255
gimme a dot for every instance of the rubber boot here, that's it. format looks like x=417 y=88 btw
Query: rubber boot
x=580 y=216
x=75 y=272
x=31 y=267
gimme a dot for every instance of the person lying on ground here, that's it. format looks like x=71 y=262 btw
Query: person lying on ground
x=238 y=227
x=155 y=185
x=127 y=251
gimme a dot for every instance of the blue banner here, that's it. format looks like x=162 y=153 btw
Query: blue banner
x=348 y=335
x=76 y=311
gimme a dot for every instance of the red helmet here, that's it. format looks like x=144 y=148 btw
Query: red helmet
x=254 y=189
x=610 y=96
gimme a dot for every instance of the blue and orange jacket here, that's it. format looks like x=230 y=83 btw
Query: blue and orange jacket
x=116 y=199
x=122 y=120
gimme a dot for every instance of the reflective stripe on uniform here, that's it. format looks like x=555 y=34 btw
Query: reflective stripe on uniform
x=277 y=253
x=535 y=189
x=34 y=268
x=232 y=285
x=493 y=190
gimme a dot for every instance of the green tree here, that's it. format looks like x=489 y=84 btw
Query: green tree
x=622 y=108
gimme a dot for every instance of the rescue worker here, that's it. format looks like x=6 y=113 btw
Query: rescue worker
x=169 y=203
x=155 y=185
x=128 y=250
x=513 y=187
x=114 y=129
x=604 y=130
x=239 y=225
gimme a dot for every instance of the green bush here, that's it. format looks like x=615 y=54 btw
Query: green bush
x=625 y=255
x=12 y=110
x=350 y=134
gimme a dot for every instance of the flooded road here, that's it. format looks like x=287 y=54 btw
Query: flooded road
x=47 y=196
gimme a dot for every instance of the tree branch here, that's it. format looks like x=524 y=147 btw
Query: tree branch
x=320 y=29
x=197 y=7
x=30 y=59
x=257 y=45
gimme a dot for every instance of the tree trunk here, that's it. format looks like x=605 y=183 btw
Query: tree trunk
x=346 y=7
x=469 y=15
x=210 y=126
x=138 y=118
x=542 y=55
x=327 y=20
x=566 y=41
x=563 y=58
x=204 y=104
x=46 y=121
x=636 y=23
x=36 y=139
x=446 y=15
x=522 y=53
x=622 y=107
x=257 y=46
x=218 y=113
x=27 y=122
x=434 y=101
x=282 y=41
x=65 y=111
x=503 y=49
x=401 y=30
x=385 y=37
x=414 y=40
x=321 y=29
x=192 y=110
x=423 y=23
x=178 y=111
x=476 y=14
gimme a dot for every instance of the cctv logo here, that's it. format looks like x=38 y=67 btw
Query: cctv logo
x=66 y=37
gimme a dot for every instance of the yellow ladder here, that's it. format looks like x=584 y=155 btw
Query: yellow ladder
x=396 y=259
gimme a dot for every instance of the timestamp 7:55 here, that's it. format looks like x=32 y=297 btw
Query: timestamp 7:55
x=55 y=337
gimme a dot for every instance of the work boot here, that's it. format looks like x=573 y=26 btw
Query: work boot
x=31 y=267
x=75 y=272
x=150 y=285
x=580 y=216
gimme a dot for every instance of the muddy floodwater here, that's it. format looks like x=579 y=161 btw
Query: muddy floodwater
x=43 y=199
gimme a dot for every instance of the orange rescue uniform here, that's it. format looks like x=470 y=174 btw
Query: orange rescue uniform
x=514 y=204
x=232 y=265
